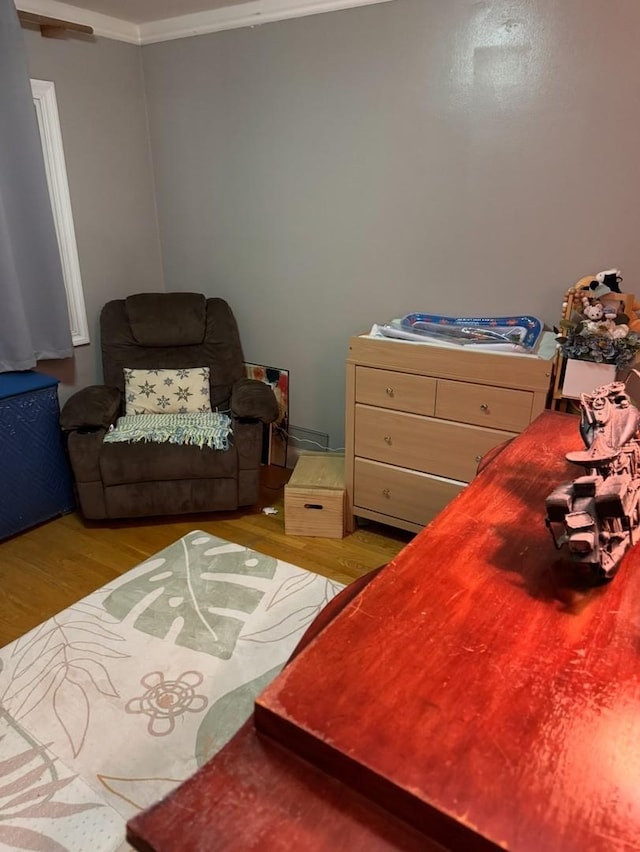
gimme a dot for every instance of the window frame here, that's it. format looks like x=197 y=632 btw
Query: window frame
x=46 y=107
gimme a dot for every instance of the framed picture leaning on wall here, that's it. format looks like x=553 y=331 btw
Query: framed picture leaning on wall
x=274 y=448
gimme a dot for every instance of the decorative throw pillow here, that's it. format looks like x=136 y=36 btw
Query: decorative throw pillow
x=166 y=391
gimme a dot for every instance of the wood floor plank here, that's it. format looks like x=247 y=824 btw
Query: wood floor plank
x=46 y=569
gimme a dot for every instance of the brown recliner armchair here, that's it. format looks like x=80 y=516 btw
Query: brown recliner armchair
x=152 y=331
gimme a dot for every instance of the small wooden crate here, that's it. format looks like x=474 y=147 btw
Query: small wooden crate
x=314 y=498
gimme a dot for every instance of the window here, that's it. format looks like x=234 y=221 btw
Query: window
x=44 y=99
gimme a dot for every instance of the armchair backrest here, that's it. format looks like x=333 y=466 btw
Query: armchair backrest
x=170 y=331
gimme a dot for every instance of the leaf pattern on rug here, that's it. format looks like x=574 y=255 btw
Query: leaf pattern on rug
x=29 y=782
x=224 y=717
x=18 y=837
x=139 y=792
x=59 y=661
x=296 y=620
x=204 y=597
x=291 y=586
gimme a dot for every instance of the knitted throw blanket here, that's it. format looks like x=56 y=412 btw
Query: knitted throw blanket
x=210 y=429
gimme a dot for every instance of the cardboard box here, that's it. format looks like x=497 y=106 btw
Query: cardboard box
x=314 y=498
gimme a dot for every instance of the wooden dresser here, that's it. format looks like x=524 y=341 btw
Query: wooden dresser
x=419 y=418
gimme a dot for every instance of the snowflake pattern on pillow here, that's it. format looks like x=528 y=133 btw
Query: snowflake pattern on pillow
x=166 y=391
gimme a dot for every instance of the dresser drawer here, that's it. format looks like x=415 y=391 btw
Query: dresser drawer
x=399 y=493
x=400 y=391
x=483 y=405
x=423 y=443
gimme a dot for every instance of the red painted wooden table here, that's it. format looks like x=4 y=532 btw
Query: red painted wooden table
x=476 y=693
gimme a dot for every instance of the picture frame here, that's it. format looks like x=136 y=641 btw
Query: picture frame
x=276 y=434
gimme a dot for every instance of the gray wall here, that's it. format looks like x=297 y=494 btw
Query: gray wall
x=338 y=170
x=341 y=169
x=100 y=96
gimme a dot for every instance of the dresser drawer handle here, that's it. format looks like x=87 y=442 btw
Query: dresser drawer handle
x=387 y=439
x=386 y=493
x=484 y=407
x=389 y=391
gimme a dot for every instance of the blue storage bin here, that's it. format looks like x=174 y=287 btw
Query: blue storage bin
x=35 y=478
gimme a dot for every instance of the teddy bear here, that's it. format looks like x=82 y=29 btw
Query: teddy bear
x=592 y=309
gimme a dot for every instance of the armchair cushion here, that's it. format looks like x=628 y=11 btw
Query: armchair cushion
x=167 y=391
x=93 y=407
x=167 y=319
x=251 y=399
x=144 y=462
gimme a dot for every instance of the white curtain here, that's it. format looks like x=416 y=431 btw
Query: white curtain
x=34 y=321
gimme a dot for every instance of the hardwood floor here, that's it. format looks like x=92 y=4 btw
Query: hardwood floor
x=46 y=569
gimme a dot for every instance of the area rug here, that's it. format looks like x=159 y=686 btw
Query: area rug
x=109 y=705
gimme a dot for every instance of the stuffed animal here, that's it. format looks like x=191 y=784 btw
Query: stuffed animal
x=592 y=309
x=606 y=282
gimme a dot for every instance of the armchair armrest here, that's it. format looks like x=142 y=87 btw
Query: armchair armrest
x=94 y=407
x=252 y=399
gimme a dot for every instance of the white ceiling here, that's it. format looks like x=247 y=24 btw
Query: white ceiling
x=146 y=21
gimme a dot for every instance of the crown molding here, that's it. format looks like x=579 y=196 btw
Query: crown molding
x=250 y=14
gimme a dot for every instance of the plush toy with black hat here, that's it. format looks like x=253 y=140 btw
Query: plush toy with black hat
x=606 y=282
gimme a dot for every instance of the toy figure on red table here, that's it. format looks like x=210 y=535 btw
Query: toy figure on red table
x=597 y=515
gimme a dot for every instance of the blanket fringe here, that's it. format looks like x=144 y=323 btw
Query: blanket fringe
x=199 y=429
